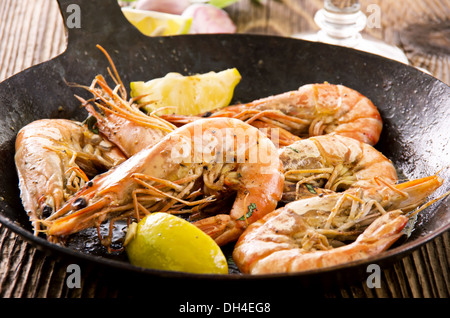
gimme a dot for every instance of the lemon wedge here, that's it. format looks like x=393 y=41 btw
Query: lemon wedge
x=153 y=23
x=188 y=95
x=166 y=242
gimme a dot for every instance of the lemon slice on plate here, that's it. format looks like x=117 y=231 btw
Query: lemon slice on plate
x=166 y=242
x=153 y=23
x=188 y=95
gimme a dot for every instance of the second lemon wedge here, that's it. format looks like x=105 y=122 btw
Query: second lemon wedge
x=153 y=23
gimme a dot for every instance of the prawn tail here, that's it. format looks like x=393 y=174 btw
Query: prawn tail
x=215 y=226
x=385 y=230
x=377 y=238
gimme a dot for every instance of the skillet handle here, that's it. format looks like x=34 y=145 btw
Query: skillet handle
x=99 y=19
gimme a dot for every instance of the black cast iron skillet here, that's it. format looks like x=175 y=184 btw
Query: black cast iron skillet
x=415 y=108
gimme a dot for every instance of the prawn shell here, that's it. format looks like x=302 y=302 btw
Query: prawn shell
x=203 y=143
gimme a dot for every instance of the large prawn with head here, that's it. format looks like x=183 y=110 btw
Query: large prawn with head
x=331 y=163
x=54 y=159
x=212 y=160
x=314 y=230
x=296 y=237
x=312 y=110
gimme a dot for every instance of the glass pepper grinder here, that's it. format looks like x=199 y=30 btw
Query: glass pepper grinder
x=340 y=23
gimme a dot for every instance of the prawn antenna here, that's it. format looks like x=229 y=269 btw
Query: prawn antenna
x=116 y=76
x=426 y=205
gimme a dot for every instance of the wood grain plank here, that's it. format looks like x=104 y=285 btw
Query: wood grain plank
x=53 y=35
x=383 y=291
x=442 y=255
x=31 y=32
x=436 y=275
x=412 y=276
x=26 y=274
x=37 y=274
x=26 y=38
x=392 y=282
x=420 y=267
x=402 y=280
x=10 y=26
x=4 y=253
x=369 y=292
x=17 y=33
x=15 y=278
x=8 y=246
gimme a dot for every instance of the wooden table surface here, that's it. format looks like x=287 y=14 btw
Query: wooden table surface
x=32 y=31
